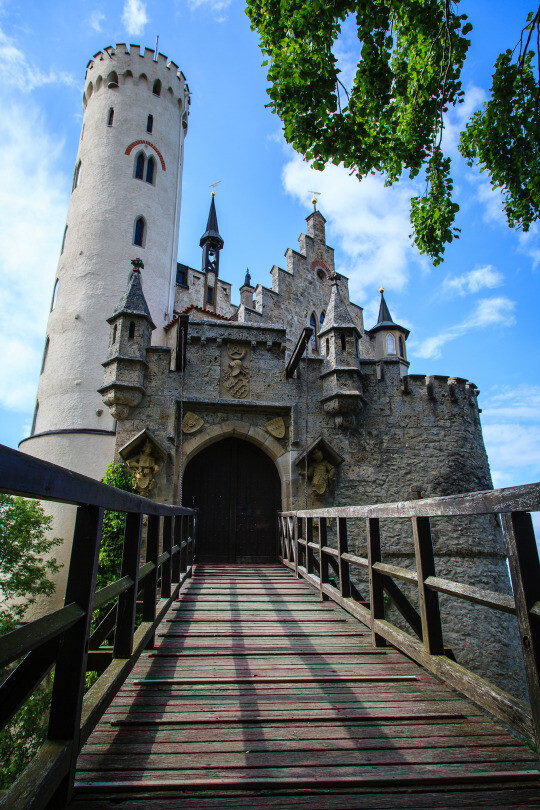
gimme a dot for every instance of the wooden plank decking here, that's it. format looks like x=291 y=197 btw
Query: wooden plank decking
x=256 y=691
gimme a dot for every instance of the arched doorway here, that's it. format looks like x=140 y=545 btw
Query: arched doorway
x=236 y=488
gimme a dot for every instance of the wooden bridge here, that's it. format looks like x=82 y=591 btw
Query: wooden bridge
x=271 y=685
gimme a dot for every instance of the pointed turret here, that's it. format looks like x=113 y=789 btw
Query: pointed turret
x=339 y=336
x=211 y=242
x=390 y=337
x=131 y=334
x=246 y=291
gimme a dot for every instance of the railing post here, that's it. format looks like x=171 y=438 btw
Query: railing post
x=166 y=568
x=323 y=559
x=68 y=689
x=432 y=635
x=525 y=573
x=309 y=551
x=343 y=547
x=177 y=541
x=151 y=580
x=184 y=534
x=127 y=601
x=295 y=545
x=376 y=590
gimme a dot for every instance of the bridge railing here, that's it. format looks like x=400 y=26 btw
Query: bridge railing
x=64 y=639
x=314 y=560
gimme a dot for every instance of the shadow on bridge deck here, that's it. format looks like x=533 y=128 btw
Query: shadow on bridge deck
x=259 y=695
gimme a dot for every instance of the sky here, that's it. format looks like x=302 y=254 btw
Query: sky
x=475 y=316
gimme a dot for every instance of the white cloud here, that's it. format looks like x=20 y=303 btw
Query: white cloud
x=472 y=282
x=16 y=70
x=368 y=221
x=457 y=117
x=95 y=20
x=33 y=197
x=529 y=243
x=488 y=312
x=134 y=16
x=511 y=427
x=217 y=7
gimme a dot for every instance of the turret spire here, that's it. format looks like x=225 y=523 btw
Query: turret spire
x=211 y=242
x=384 y=312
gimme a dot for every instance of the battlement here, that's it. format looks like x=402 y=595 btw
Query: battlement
x=438 y=387
x=114 y=66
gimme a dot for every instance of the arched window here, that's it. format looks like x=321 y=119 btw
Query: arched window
x=139 y=166
x=64 y=240
x=54 y=295
x=313 y=323
x=112 y=79
x=156 y=90
x=401 y=347
x=322 y=317
x=150 y=166
x=114 y=331
x=131 y=332
x=34 y=419
x=390 y=344
x=150 y=123
x=45 y=353
x=76 y=175
x=139 y=236
x=110 y=117
x=343 y=343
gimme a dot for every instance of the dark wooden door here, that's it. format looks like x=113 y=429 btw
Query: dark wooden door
x=236 y=488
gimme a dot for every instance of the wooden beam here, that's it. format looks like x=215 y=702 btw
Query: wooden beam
x=299 y=349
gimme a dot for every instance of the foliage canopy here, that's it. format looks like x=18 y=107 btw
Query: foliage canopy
x=391 y=119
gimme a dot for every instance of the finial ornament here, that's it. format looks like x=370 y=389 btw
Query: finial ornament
x=137 y=265
x=314 y=200
x=381 y=290
x=213 y=186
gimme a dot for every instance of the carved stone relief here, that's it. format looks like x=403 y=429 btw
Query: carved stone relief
x=235 y=371
x=192 y=422
x=320 y=474
x=276 y=427
x=144 y=469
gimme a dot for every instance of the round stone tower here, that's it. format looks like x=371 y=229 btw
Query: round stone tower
x=125 y=203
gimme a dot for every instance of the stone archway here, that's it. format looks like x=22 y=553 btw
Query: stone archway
x=236 y=487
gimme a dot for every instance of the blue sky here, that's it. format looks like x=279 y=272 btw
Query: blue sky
x=475 y=316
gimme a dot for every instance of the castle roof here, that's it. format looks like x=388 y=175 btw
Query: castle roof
x=133 y=301
x=337 y=314
x=212 y=232
x=384 y=320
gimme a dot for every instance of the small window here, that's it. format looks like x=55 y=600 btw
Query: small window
x=210 y=295
x=343 y=343
x=156 y=90
x=82 y=132
x=139 y=166
x=401 y=347
x=313 y=323
x=64 y=240
x=327 y=346
x=54 y=295
x=390 y=344
x=322 y=317
x=150 y=123
x=150 y=166
x=112 y=80
x=45 y=353
x=110 y=117
x=131 y=331
x=34 y=419
x=139 y=236
x=114 y=331
x=76 y=175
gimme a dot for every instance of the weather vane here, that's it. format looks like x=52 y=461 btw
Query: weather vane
x=314 y=200
x=213 y=186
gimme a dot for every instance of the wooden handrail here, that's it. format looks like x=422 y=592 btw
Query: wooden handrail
x=513 y=504
x=62 y=638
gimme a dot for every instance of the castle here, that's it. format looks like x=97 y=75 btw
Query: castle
x=238 y=409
